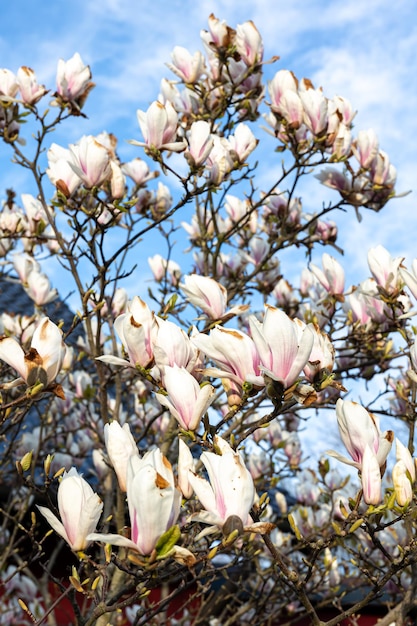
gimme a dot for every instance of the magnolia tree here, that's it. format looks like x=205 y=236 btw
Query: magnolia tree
x=151 y=464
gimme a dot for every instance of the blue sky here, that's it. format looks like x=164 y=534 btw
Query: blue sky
x=365 y=51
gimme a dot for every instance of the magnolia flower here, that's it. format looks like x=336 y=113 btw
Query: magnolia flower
x=234 y=354
x=385 y=269
x=242 y=142
x=138 y=171
x=249 y=43
x=187 y=66
x=73 y=79
x=367 y=446
x=153 y=500
x=30 y=90
x=120 y=446
x=60 y=172
x=365 y=147
x=186 y=400
x=209 y=295
x=38 y=288
x=9 y=85
x=315 y=109
x=200 y=143
x=185 y=463
x=332 y=277
x=283 y=350
x=159 y=126
x=79 y=507
x=90 y=160
x=137 y=331
x=229 y=490
x=44 y=360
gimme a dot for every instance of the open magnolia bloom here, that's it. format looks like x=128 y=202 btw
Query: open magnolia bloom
x=153 y=500
x=43 y=362
x=365 y=443
x=210 y=296
x=79 y=507
x=229 y=492
x=283 y=348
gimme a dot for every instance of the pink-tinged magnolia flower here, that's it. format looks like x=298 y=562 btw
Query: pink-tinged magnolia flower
x=234 y=354
x=242 y=142
x=382 y=171
x=365 y=147
x=172 y=346
x=248 y=43
x=186 y=462
x=283 y=350
x=60 y=172
x=117 y=180
x=159 y=125
x=367 y=446
x=153 y=500
x=120 y=446
x=137 y=331
x=410 y=277
x=90 y=160
x=385 y=269
x=187 y=66
x=73 y=79
x=30 y=90
x=402 y=484
x=283 y=82
x=200 y=143
x=315 y=109
x=403 y=454
x=24 y=263
x=229 y=490
x=44 y=358
x=79 y=507
x=8 y=85
x=332 y=277
x=209 y=295
x=322 y=355
x=38 y=288
x=186 y=400
x=138 y=171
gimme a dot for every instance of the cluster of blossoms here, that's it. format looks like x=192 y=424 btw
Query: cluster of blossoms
x=201 y=396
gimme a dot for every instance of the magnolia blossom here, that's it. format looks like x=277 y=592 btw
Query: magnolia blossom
x=322 y=355
x=209 y=295
x=200 y=143
x=44 y=359
x=153 y=500
x=90 y=160
x=120 y=446
x=30 y=90
x=138 y=171
x=73 y=79
x=249 y=43
x=403 y=474
x=60 y=172
x=315 y=109
x=186 y=400
x=137 y=331
x=172 y=346
x=229 y=490
x=79 y=508
x=186 y=462
x=332 y=277
x=367 y=446
x=385 y=269
x=235 y=356
x=242 y=142
x=365 y=147
x=187 y=66
x=9 y=85
x=283 y=350
x=38 y=288
x=159 y=126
